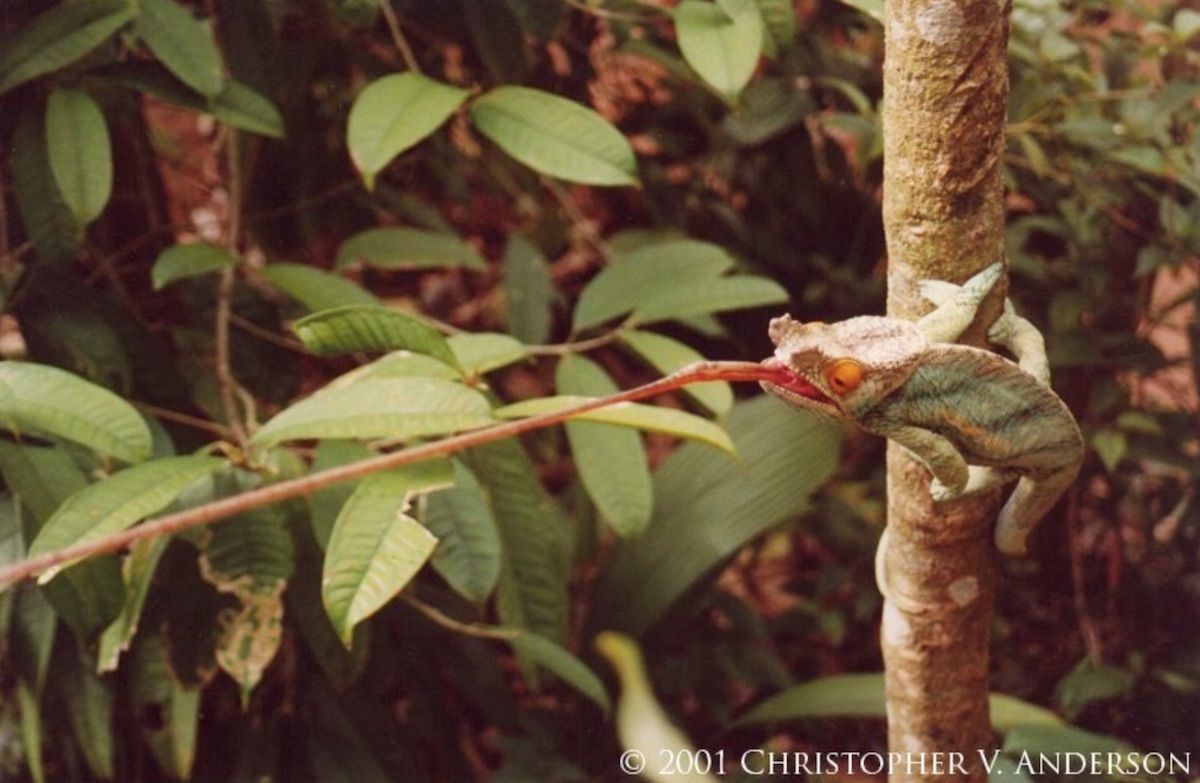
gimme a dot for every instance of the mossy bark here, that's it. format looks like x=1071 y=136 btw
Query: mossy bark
x=944 y=110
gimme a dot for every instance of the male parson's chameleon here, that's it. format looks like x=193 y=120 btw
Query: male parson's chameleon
x=972 y=417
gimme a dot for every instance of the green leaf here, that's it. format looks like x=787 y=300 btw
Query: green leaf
x=398 y=364
x=780 y=19
x=183 y=43
x=560 y=662
x=325 y=504
x=1089 y=682
x=1110 y=446
x=315 y=288
x=240 y=106
x=30 y=638
x=138 y=571
x=111 y=505
x=1048 y=740
x=351 y=328
x=722 y=41
x=611 y=461
x=408 y=248
x=555 y=136
x=667 y=355
x=647 y=271
x=50 y=224
x=628 y=414
x=180 y=262
x=857 y=695
x=707 y=508
x=59 y=37
x=89 y=701
x=528 y=291
x=79 y=151
x=376 y=548
x=481 y=352
x=697 y=297
x=535 y=568
x=47 y=400
x=381 y=408
x=155 y=690
x=394 y=113
x=468 y=550
x=1008 y=712
x=30 y=725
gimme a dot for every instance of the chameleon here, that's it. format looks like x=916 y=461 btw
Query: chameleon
x=974 y=418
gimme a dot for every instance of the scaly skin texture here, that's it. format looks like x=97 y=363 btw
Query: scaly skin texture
x=972 y=417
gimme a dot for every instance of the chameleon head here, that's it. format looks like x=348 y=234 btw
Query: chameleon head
x=842 y=370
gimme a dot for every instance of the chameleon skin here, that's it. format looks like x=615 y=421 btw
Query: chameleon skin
x=973 y=418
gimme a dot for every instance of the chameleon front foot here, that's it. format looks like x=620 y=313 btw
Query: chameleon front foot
x=979 y=479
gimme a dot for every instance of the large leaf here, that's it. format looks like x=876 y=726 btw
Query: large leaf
x=242 y=107
x=700 y=297
x=80 y=154
x=50 y=224
x=528 y=291
x=722 y=41
x=532 y=591
x=168 y=712
x=667 y=355
x=89 y=699
x=59 y=37
x=381 y=408
x=611 y=461
x=376 y=548
x=706 y=509
x=559 y=661
x=394 y=113
x=628 y=414
x=325 y=504
x=555 y=136
x=352 y=328
x=138 y=571
x=315 y=288
x=51 y=401
x=180 y=262
x=641 y=274
x=183 y=43
x=111 y=505
x=468 y=550
x=412 y=248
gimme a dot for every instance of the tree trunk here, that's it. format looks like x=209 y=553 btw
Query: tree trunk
x=944 y=109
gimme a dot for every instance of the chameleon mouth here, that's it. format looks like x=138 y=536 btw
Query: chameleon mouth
x=791 y=385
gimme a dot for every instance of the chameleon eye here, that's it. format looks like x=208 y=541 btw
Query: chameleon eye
x=844 y=375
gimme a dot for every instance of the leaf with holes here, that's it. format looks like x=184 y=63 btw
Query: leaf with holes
x=555 y=136
x=376 y=548
x=394 y=113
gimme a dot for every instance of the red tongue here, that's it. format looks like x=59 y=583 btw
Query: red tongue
x=789 y=380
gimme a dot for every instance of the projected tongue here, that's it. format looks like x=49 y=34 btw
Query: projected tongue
x=786 y=379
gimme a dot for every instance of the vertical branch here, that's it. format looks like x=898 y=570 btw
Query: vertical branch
x=225 y=380
x=944 y=109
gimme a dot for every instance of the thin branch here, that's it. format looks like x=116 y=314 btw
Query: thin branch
x=578 y=218
x=470 y=629
x=577 y=346
x=249 y=327
x=183 y=418
x=401 y=42
x=225 y=379
x=304 y=485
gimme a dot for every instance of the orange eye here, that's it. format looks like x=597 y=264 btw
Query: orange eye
x=844 y=375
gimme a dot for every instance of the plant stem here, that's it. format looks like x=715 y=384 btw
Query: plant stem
x=284 y=490
x=406 y=52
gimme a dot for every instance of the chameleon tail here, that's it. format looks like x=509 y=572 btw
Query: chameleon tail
x=1030 y=501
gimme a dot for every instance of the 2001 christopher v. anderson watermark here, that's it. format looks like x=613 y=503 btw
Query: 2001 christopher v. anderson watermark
x=756 y=762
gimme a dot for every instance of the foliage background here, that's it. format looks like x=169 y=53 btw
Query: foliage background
x=757 y=583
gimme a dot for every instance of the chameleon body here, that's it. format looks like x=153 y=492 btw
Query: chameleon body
x=974 y=418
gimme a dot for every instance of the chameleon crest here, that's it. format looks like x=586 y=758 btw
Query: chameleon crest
x=972 y=417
